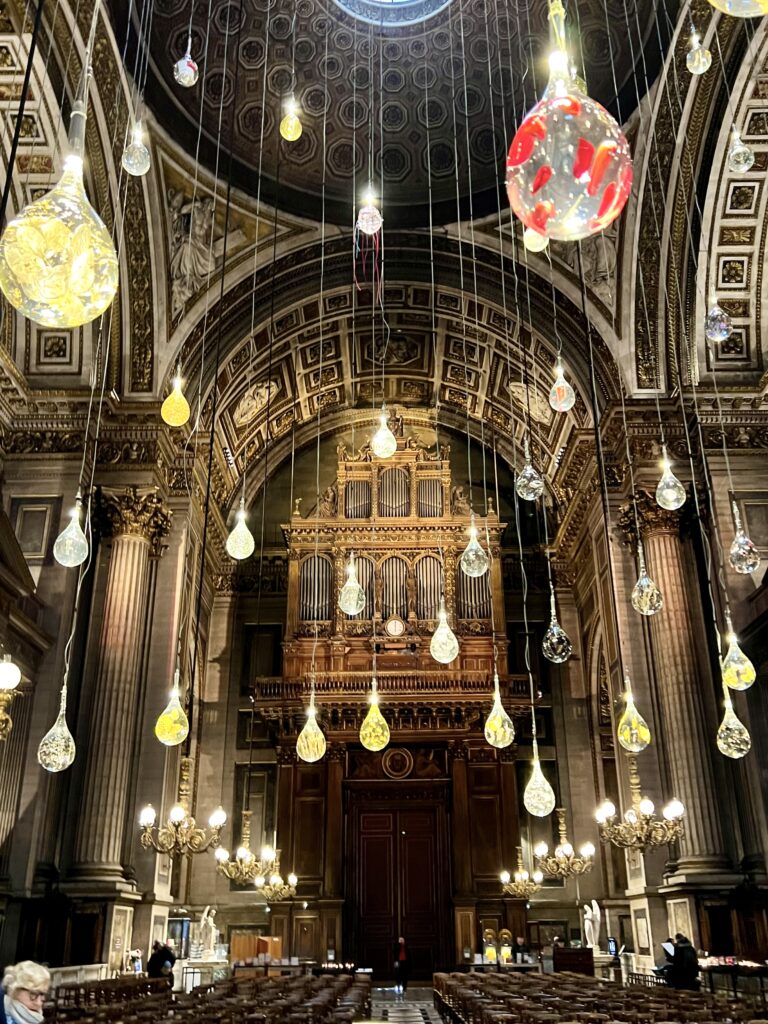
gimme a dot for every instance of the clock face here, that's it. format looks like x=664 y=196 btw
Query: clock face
x=394 y=626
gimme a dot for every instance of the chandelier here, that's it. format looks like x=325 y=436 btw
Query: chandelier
x=180 y=834
x=246 y=867
x=564 y=861
x=524 y=885
x=273 y=888
x=641 y=828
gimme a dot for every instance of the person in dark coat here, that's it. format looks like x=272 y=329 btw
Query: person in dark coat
x=683 y=970
x=160 y=963
x=402 y=965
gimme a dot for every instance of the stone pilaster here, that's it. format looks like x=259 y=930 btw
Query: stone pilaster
x=687 y=736
x=137 y=521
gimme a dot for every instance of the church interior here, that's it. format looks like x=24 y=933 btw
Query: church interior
x=384 y=511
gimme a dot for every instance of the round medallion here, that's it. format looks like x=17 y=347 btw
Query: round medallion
x=397 y=763
x=394 y=626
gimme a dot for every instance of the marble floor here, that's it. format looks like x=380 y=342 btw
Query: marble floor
x=413 y=1007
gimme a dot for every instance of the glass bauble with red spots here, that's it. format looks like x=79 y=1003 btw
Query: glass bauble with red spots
x=569 y=168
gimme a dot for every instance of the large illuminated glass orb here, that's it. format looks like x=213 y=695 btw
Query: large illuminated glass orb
x=569 y=168
x=185 y=70
x=742 y=8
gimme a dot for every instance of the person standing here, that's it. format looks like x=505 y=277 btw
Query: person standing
x=160 y=963
x=683 y=972
x=402 y=965
x=25 y=986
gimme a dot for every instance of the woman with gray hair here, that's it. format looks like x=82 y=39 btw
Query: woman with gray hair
x=25 y=986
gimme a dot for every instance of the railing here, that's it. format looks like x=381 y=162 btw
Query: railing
x=417 y=682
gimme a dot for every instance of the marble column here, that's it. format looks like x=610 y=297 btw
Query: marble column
x=686 y=733
x=137 y=521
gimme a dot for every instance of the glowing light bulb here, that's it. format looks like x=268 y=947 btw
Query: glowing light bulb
x=369 y=219
x=218 y=818
x=147 y=817
x=292 y=879
x=698 y=59
x=534 y=241
x=539 y=797
x=172 y=725
x=221 y=855
x=605 y=812
x=632 y=731
x=562 y=397
x=177 y=814
x=646 y=597
x=541 y=849
x=733 y=737
x=185 y=70
x=499 y=730
x=374 y=732
x=444 y=647
x=57 y=748
x=473 y=561
x=673 y=810
x=240 y=542
x=569 y=168
x=71 y=546
x=717 y=323
x=743 y=555
x=383 y=442
x=740 y=156
x=310 y=744
x=135 y=158
x=175 y=409
x=268 y=854
x=670 y=493
x=351 y=595
x=505 y=877
x=587 y=850
x=290 y=126
x=10 y=673
x=738 y=671
x=555 y=645
x=528 y=483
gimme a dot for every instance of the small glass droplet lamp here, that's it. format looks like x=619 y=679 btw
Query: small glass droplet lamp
x=310 y=744
x=444 y=647
x=698 y=59
x=383 y=442
x=670 y=493
x=528 y=482
x=57 y=748
x=351 y=595
x=135 y=158
x=185 y=70
x=741 y=157
x=172 y=725
x=646 y=597
x=562 y=397
x=555 y=645
x=733 y=739
x=290 y=126
x=632 y=730
x=70 y=548
x=473 y=561
x=743 y=555
x=175 y=409
x=717 y=323
x=58 y=264
x=499 y=729
x=374 y=732
x=539 y=797
x=738 y=671
x=569 y=168
x=240 y=542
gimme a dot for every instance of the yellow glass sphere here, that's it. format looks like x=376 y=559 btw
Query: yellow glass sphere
x=738 y=671
x=175 y=409
x=310 y=745
x=58 y=264
x=632 y=731
x=499 y=730
x=172 y=725
x=290 y=127
x=374 y=732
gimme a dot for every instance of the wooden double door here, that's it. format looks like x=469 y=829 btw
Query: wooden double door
x=397 y=877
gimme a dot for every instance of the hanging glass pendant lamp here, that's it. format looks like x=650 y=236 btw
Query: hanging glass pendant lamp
x=175 y=409
x=57 y=748
x=632 y=731
x=185 y=70
x=698 y=59
x=473 y=561
x=172 y=725
x=351 y=595
x=240 y=542
x=670 y=493
x=733 y=739
x=738 y=671
x=528 y=483
x=58 y=264
x=310 y=745
x=741 y=157
x=383 y=442
x=290 y=126
x=717 y=323
x=444 y=647
x=743 y=555
x=374 y=732
x=499 y=729
x=539 y=797
x=562 y=397
x=135 y=159
x=369 y=218
x=556 y=645
x=71 y=546
x=646 y=597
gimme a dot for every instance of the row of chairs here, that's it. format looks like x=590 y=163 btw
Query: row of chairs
x=567 y=998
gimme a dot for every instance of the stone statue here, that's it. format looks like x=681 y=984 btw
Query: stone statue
x=326 y=509
x=459 y=501
x=378 y=583
x=208 y=932
x=592 y=917
x=410 y=585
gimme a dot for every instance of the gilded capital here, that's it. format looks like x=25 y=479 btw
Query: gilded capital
x=136 y=511
x=651 y=518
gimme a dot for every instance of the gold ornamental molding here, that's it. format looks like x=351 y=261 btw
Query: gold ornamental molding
x=133 y=511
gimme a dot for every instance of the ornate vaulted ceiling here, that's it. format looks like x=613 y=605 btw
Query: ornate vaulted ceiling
x=451 y=89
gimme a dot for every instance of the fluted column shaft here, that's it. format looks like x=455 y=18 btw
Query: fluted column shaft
x=687 y=733
x=137 y=521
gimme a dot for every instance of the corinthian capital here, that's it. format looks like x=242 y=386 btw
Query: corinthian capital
x=136 y=511
x=651 y=517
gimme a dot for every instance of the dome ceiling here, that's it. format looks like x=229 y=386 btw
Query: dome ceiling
x=465 y=57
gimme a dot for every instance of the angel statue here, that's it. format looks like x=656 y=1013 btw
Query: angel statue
x=592 y=917
x=208 y=931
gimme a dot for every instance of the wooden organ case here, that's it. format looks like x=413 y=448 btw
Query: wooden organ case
x=409 y=840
